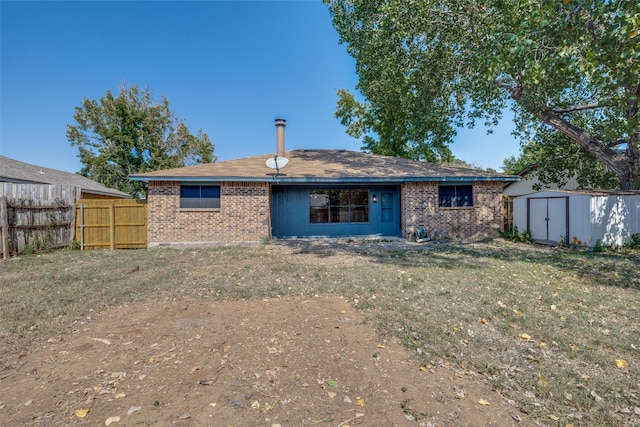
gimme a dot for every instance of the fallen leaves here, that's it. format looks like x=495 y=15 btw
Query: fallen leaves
x=483 y=402
x=111 y=420
x=595 y=396
x=621 y=363
x=525 y=336
x=543 y=381
x=81 y=413
x=133 y=409
x=255 y=405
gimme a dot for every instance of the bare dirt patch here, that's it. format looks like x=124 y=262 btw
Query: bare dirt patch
x=284 y=361
x=327 y=333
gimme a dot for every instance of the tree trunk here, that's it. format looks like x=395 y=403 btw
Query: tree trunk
x=624 y=165
x=629 y=182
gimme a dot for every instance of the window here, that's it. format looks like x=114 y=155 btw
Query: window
x=331 y=206
x=200 y=196
x=455 y=196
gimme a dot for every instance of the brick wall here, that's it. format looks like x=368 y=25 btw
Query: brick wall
x=243 y=215
x=420 y=208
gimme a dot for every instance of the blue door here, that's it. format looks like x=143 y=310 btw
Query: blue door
x=388 y=214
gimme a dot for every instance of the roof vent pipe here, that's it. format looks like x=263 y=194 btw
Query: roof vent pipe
x=280 y=124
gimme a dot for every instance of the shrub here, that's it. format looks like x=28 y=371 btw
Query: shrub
x=599 y=247
x=633 y=242
x=511 y=233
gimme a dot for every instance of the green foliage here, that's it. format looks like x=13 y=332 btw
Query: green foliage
x=563 y=242
x=598 y=247
x=131 y=133
x=568 y=69
x=553 y=158
x=633 y=242
x=459 y=163
x=29 y=250
x=511 y=233
x=38 y=246
x=513 y=165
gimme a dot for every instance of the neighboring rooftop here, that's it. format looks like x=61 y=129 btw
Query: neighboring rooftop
x=24 y=173
x=308 y=166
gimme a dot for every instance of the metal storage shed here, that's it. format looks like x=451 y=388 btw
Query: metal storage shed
x=579 y=216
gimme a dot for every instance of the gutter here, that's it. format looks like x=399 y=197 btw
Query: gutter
x=282 y=179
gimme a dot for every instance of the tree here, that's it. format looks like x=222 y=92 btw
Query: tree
x=570 y=70
x=129 y=134
x=557 y=159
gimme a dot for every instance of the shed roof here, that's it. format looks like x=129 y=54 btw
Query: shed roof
x=25 y=173
x=589 y=193
x=324 y=166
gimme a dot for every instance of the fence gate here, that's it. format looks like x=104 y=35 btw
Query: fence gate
x=111 y=224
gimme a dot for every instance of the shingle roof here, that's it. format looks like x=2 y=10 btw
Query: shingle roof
x=15 y=171
x=324 y=166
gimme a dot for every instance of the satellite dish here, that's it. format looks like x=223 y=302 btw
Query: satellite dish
x=276 y=162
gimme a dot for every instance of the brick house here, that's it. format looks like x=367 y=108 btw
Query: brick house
x=320 y=193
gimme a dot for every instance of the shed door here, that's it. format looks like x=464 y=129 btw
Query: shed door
x=538 y=219
x=548 y=218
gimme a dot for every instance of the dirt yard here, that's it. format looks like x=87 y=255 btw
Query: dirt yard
x=313 y=334
x=280 y=361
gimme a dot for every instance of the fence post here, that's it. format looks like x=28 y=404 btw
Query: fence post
x=4 y=223
x=81 y=229
x=112 y=225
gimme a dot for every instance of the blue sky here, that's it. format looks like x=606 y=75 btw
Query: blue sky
x=230 y=68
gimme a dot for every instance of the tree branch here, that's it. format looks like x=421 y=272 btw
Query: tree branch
x=504 y=85
x=578 y=108
x=584 y=139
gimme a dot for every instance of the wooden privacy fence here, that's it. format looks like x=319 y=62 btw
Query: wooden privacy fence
x=36 y=216
x=507 y=211
x=111 y=224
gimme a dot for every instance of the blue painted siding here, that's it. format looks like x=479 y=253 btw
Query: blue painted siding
x=290 y=213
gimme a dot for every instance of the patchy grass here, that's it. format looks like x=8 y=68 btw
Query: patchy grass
x=556 y=331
